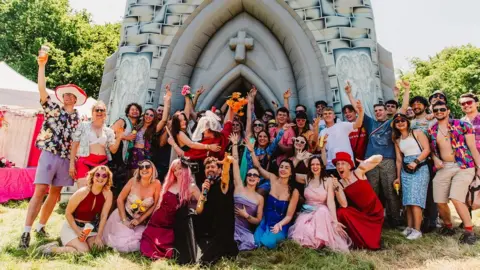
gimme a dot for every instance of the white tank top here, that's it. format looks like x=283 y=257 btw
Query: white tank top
x=93 y=139
x=409 y=146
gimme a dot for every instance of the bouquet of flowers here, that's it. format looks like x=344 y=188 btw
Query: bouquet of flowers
x=2 y=119
x=236 y=103
x=5 y=163
x=138 y=208
x=186 y=92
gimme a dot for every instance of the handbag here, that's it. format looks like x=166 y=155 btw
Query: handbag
x=473 y=195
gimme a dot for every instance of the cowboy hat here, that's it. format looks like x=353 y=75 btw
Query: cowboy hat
x=343 y=156
x=71 y=89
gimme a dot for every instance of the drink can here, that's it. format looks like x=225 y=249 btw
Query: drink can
x=87 y=229
x=320 y=143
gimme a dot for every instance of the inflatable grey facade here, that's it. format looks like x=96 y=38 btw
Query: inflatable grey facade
x=310 y=46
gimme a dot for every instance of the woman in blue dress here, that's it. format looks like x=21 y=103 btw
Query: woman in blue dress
x=412 y=149
x=280 y=205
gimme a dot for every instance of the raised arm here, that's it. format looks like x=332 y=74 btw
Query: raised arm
x=237 y=179
x=197 y=96
x=368 y=165
x=188 y=107
x=166 y=108
x=251 y=100
x=264 y=173
x=348 y=91
x=406 y=97
x=359 y=122
x=286 y=97
x=42 y=83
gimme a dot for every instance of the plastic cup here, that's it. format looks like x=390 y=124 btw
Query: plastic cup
x=43 y=53
x=87 y=229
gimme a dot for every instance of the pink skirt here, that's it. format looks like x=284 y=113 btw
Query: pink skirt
x=120 y=237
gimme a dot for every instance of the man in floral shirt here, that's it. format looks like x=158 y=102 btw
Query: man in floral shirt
x=457 y=160
x=54 y=140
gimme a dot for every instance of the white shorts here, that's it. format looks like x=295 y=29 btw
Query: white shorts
x=67 y=234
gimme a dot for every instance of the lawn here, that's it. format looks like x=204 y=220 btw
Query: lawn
x=430 y=252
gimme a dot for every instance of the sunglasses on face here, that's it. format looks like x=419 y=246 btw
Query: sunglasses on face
x=235 y=125
x=401 y=120
x=299 y=111
x=300 y=141
x=438 y=96
x=469 y=102
x=271 y=126
x=301 y=119
x=391 y=106
x=252 y=175
x=149 y=114
x=258 y=125
x=440 y=110
x=268 y=115
x=144 y=166
x=99 y=110
x=101 y=175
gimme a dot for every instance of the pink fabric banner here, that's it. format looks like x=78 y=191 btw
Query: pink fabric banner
x=34 y=151
x=16 y=183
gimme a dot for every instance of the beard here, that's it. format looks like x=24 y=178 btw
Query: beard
x=440 y=118
x=418 y=112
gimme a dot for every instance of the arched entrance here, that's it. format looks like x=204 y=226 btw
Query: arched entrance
x=257 y=42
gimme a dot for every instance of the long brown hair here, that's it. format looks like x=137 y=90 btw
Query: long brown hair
x=396 y=134
x=148 y=136
x=323 y=170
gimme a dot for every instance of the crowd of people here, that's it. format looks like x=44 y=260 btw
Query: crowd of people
x=201 y=185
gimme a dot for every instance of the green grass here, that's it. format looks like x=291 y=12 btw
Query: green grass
x=430 y=252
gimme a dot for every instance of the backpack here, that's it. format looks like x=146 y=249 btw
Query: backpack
x=473 y=195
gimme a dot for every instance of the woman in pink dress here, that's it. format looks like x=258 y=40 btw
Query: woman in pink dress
x=317 y=225
x=135 y=205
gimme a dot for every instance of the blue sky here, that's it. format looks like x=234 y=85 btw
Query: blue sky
x=408 y=28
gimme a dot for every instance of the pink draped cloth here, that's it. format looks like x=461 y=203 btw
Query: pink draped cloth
x=16 y=183
x=34 y=151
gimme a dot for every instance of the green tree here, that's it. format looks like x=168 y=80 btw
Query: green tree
x=78 y=48
x=455 y=70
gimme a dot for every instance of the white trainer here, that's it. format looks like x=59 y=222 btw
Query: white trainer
x=414 y=235
x=407 y=231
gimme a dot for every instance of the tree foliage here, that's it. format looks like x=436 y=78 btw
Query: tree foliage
x=78 y=47
x=455 y=70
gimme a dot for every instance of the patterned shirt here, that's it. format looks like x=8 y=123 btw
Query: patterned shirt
x=57 y=129
x=476 y=126
x=457 y=130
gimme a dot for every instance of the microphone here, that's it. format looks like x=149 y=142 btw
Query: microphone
x=210 y=178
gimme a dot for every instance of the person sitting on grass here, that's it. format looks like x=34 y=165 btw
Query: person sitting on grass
x=84 y=207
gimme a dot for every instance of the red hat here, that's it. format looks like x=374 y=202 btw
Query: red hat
x=343 y=156
x=71 y=89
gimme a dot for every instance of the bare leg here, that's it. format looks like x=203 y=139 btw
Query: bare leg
x=463 y=212
x=81 y=182
x=74 y=246
x=444 y=213
x=409 y=216
x=35 y=203
x=49 y=204
x=417 y=216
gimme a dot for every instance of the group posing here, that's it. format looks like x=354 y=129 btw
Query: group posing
x=237 y=182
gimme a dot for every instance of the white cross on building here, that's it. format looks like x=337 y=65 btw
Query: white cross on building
x=241 y=44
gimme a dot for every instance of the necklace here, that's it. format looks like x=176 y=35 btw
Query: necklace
x=446 y=137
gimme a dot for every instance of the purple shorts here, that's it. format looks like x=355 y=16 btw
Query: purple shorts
x=53 y=170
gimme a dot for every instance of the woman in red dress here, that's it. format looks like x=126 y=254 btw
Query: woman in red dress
x=361 y=211
x=159 y=238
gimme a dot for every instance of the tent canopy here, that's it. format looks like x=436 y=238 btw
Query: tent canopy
x=18 y=91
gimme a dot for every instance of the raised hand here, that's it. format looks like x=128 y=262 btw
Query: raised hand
x=396 y=91
x=168 y=94
x=234 y=138
x=359 y=106
x=200 y=90
x=287 y=94
x=316 y=122
x=287 y=126
x=248 y=144
x=348 y=88
x=405 y=84
x=214 y=147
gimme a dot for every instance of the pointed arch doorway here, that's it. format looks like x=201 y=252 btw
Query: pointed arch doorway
x=227 y=44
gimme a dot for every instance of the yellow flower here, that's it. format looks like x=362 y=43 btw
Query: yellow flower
x=138 y=201
x=142 y=209
x=134 y=206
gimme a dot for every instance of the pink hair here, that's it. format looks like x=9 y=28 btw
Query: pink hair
x=184 y=183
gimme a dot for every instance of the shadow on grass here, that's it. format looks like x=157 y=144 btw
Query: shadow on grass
x=61 y=208
x=22 y=204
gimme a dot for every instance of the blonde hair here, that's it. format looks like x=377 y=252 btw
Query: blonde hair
x=91 y=175
x=99 y=103
x=136 y=173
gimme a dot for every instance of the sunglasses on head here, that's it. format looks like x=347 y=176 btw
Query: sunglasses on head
x=438 y=96
x=101 y=175
x=100 y=110
x=144 y=166
x=401 y=120
x=300 y=141
x=252 y=175
x=440 y=110
x=469 y=102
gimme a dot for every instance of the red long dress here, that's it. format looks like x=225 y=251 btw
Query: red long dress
x=364 y=216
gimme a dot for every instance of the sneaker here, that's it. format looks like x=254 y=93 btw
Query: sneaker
x=414 y=235
x=24 y=241
x=445 y=231
x=47 y=248
x=407 y=231
x=42 y=233
x=468 y=238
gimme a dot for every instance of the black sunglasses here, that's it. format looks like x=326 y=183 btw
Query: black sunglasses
x=102 y=175
x=438 y=96
x=401 y=120
x=440 y=110
x=258 y=125
x=146 y=167
x=269 y=115
x=100 y=110
x=252 y=175
x=149 y=114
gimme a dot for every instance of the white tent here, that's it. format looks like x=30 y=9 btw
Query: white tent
x=18 y=91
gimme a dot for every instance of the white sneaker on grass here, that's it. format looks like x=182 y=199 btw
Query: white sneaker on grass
x=47 y=248
x=407 y=231
x=414 y=235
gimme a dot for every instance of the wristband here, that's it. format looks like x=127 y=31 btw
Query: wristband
x=416 y=161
